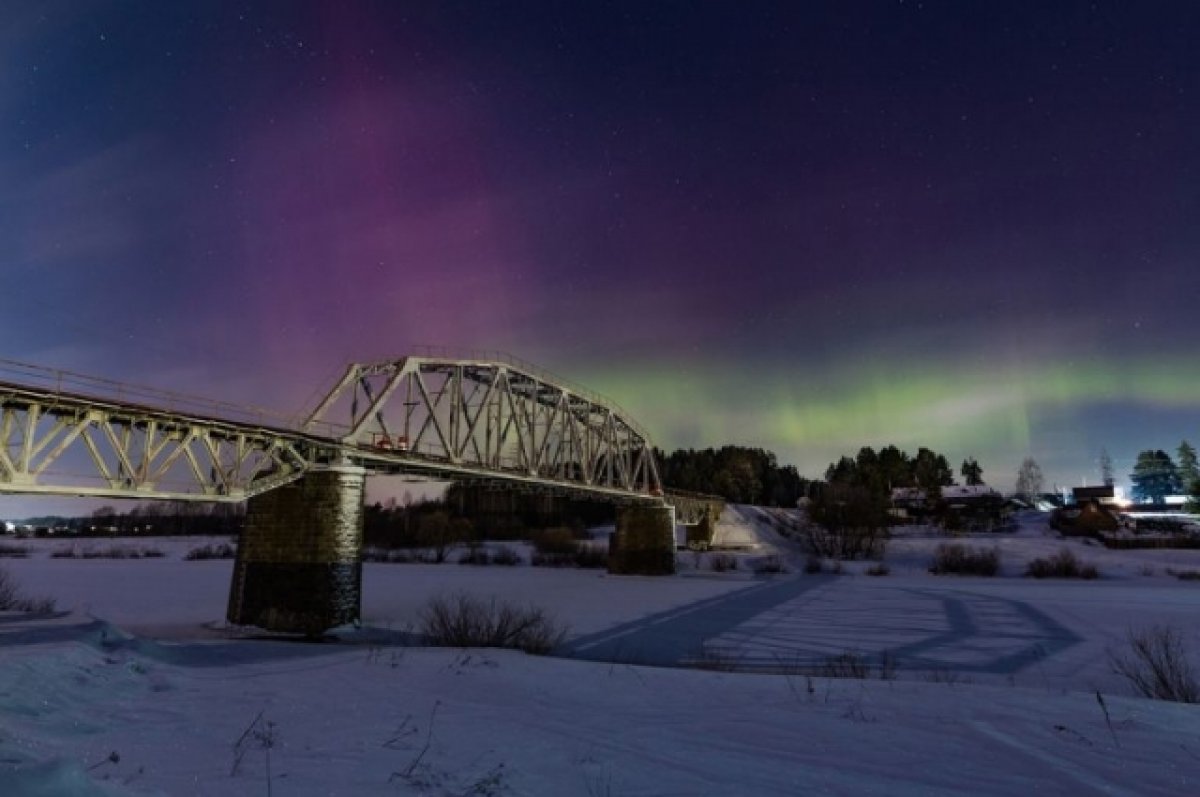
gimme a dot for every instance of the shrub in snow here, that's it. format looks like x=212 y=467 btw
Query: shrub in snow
x=13 y=551
x=769 y=565
x=813 y=564
x=718 y=659
x=1185 y=575
x=11 y=599
x=505 y=556
x=952 y=558
x=111 y=552
x=569 y=553
x=1160 y=525
x=538 y=559
x=852 y=664
x=845 y=665
x=722 y=562
x=1157 y=665
x=590 y=556
x=847 y=522
x=222 y=551
x=1063 y=564
x=879 y=569
x=396 y=556
x=465 y=621
x=475 y=556
x=558 y=540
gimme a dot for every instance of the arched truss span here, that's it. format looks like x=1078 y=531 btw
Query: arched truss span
x=482 y=418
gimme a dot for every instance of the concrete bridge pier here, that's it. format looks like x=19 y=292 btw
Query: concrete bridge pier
x=644 y=541
x=299 y=565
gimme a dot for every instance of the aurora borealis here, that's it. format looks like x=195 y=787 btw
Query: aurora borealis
x=803 y=226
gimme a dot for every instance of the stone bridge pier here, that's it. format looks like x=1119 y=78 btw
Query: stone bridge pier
x=299 y=565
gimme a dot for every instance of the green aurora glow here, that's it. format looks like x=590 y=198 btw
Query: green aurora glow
x=809 y=417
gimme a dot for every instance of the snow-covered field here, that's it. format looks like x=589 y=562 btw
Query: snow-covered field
x=139 y=687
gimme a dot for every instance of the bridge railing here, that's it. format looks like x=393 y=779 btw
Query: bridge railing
x=71 y=383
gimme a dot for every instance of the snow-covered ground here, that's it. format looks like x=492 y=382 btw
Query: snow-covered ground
x=139 y=688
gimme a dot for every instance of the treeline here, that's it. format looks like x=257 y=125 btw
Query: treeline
x=472 y=512
x=737 y=474
x=890 y=468
x=158 y=518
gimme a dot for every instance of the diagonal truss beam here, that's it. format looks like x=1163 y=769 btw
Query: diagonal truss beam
x=479 y=415
x=55 y=443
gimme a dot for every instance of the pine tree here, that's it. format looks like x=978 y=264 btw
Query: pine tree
x=972 y=473
x=1189 y=473
x=1154 y=477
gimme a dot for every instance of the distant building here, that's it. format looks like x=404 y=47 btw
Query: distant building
x=10 y=527
x=970 y=507
x=1103 y=494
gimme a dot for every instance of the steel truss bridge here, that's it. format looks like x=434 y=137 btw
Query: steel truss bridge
x=491 y=420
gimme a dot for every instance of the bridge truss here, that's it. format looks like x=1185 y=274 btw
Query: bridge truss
x=452 y=419
x=66 y=444
x=484 y=417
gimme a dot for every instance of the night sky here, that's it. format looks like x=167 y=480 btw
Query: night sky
x=803 y=226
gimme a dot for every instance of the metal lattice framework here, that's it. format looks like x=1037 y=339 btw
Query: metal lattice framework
x=477 y=417
x=455 y=419
x=62 y=443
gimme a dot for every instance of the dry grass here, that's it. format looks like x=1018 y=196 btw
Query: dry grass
x=952 y=558
x=1157 y=665
x=1063 y=564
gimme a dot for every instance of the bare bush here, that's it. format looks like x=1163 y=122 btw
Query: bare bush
x=813 y=564
x=1157 y=665
x=590 y=556
x=11 y=599
x=13 y=551
x=722 y=562
x=878 y=569
x=505 y=555
x=109 y=552
x=846 y=522
x=845 y=542
x=1184 y=575
x=204 y=552
x=568 y=553
x=845 y=665
x=1063 y=564
x=475 y=555
x=387 y=556
x=952 y=558
x=768 y=565
x=465 y=621
x=717 y=659
x=8 y=591
x=440 y=533
x=558 y=540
